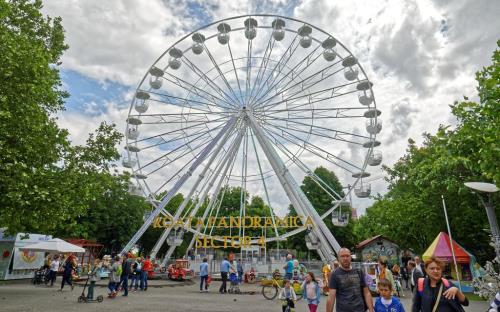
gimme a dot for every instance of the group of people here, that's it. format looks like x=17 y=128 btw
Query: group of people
x=431 y=293
x=125 y=269
x=59 y=263
x=349 y=291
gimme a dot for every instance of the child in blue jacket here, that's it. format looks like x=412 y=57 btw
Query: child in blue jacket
x=386 y=302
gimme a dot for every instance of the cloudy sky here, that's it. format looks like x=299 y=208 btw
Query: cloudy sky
x=420 y=55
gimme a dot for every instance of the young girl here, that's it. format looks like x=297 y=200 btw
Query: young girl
x=311 y=291
x=288 y=296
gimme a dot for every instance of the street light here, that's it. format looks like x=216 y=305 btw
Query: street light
x=490 y=211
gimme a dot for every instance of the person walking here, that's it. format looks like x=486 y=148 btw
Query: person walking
x=348 y=288
x=54 y=268
x=147 y=267
x=114 y=277
x=420 y=266
x=126 y=271
x=69 y=267
x=384 y=272
x=311 y=291
x=136 y=273
x=204 y=274
x=224 y=271
x=415 y=274
x=94 y=278
x=289 y=267
x=435 y=293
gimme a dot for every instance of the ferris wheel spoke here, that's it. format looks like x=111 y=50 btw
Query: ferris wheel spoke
x=280 y=65
x=301 y=165
x=263 y=65
x=185 y=153
x=200 y=92
x=319 y=128
x=201 y=123
x=304 y=84
x=221 y=74
x=162 y=141
x=249 y=70
x=181 y=102
x=311 y=98
x=209 y=181
x=182 y=118
x=316 y=150
x=235 y=71
x=227 y=98
x=315 y=113
x=296 y=71
x=179 y=148
x=271 y=211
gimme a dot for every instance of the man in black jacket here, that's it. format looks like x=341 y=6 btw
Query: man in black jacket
x=415 y=274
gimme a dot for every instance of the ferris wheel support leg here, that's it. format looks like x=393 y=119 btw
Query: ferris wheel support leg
x=225 y=131
x=187 y=199
x=167 y=256
x=294 y=192
x=228 y=162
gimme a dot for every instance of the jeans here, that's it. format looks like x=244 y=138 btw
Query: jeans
x=112 y=286
x=135 y=280
x=288 y=276
x=203 y=279
x=125 y=284
x=223 y=287
x=144 y=280
x=90 y=294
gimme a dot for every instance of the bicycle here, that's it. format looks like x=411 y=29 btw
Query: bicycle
x=271 y=291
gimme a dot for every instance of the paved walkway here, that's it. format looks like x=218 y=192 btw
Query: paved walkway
x=26 y=297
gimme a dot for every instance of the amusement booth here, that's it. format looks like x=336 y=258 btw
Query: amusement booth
x=441 y=249
x=16 y=263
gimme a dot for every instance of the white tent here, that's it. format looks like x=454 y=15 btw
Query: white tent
x=55 y=245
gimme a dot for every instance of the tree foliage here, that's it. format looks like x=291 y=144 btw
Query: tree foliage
x=411 y=213
x=48 y=185
x=322 y=202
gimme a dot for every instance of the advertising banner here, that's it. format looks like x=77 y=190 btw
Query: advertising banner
x=6 y=248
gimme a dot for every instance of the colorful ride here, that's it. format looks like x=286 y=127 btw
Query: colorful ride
x=180 y=270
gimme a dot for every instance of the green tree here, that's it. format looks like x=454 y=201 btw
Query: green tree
x=411 y=212
x=322 y=202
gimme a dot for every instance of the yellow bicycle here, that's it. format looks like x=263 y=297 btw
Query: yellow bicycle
x=271 y=288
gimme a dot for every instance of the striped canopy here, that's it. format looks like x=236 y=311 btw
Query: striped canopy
x=441 y=248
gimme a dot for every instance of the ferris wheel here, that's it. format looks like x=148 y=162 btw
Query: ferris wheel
x=257 y=102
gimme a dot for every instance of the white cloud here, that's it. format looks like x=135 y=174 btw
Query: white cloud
x=421 y=56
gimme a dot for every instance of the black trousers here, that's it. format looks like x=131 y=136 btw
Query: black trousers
x=224 y=282
x=289 y=303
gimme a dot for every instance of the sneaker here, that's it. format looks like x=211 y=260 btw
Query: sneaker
x=201 y=290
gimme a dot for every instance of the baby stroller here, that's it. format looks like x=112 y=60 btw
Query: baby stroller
x=234 y=288
x=41 y=276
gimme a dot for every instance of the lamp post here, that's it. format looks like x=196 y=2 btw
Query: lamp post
x=490 y=211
